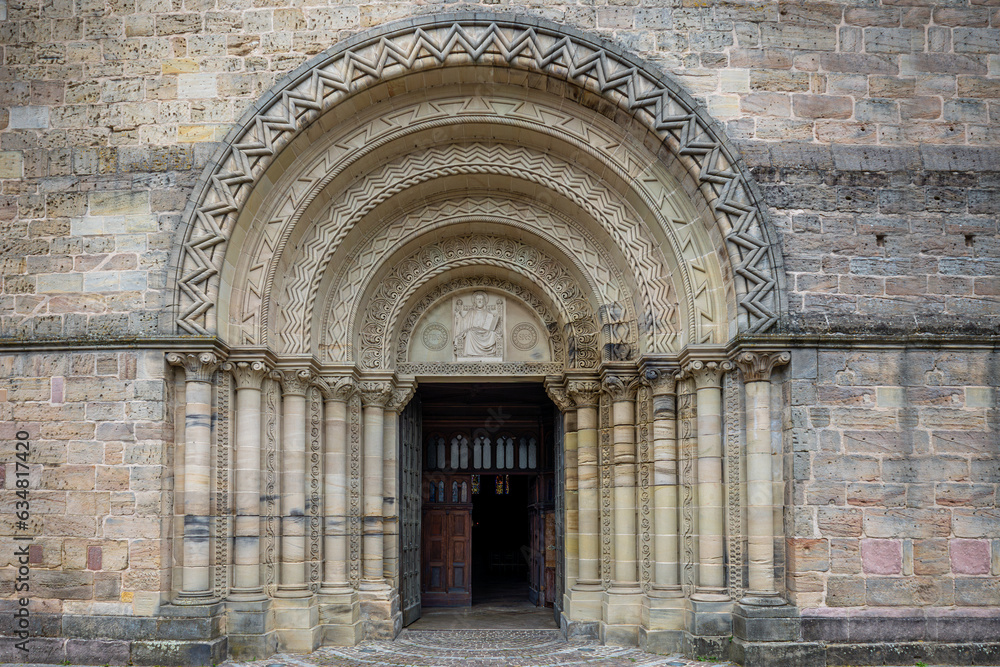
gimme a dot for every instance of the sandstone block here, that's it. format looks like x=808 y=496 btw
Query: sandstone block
x=808 y=555
x=839 y=521
x=906 y=522
x=845 y=591
x=882 y=556
x=822 y=106
x=973 y=523
x=970 y=556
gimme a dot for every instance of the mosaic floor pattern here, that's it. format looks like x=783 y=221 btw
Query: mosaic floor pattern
x=476 y=648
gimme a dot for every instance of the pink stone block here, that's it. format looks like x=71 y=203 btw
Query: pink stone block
x=58 y=386
x=882 y=556
x=94 y=558
x=970 y=556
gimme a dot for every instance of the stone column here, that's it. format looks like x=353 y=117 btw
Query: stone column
x=375 y=396
x=247 y=585
x=585 y=607
x=571 y=541
x=756 y=369
x=337 y=393
x=339 y=611
x=196 y=581
x=292 y=579
x=666 y=540
x=711 y=517
x=621 y=390
x=390 y=484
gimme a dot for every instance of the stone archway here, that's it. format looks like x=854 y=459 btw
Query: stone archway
x=537 y=164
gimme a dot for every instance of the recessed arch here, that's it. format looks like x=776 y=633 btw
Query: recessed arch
x=498 y=43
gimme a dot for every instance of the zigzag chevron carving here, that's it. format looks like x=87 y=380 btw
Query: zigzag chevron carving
x=666 y=111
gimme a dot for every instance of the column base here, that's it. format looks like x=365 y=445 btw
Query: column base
x=585 y=603
x=340 y=616
x=381 y=615
x=579 y=629
x=767 y=623
x=708 y=620
x=663 y=614
x=297 y=624
x=250 y=624
x=622 y=613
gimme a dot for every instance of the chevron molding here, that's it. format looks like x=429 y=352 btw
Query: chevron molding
x=662 y=107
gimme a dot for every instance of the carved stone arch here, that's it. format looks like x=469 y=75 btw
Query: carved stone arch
x=387 y=301
x=502 y=41
x=437 y=221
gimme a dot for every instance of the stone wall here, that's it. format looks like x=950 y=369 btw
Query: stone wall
x=893 y=472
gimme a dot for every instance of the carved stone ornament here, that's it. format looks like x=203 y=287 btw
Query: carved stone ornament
x=425 y=42
x=197 y=367
x=339 y=388
x=559 y=395
x=661 y=379
x=400 y=397
x=248 y=374
x=375 y=393
x=707 y=373
x=584 y=393
x=619 y=387
x=757 y=366
x=478 y=324
x=295 y=383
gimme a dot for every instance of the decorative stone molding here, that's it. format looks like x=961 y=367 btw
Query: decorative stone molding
x=557 y=391
x=757 y=366
x=400 y=397
x=520 y=369
x=661 y=380
x=197 y=367
x=584 y=393
x=339 y=388
x=620 y=387
x=375 y=393
x=248 y=374
x=295 y=382
x=546 y=48
x=707 y=373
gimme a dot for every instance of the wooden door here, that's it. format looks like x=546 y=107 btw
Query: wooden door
x=447 y=538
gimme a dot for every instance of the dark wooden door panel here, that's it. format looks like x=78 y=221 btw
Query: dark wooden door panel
x=447 y=521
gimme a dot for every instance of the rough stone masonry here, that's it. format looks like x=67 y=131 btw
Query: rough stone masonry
x=871 y=130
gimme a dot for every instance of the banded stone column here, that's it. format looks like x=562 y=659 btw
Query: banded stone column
x=390 y=483
x=584 y=394
x=621 y=390
x=756 y=368
x=375 y=396
x=571 y=525
x=196 y=581
x=247 y=584
x=292 y=582
x=711 y=511
x=666 y=540
x=336 y=392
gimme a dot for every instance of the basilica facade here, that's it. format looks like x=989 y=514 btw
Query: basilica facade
x=297 y=297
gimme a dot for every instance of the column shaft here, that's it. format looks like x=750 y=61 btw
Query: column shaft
x=373 y=416
x=589 y=499
x=624 y=475
x=666 y=542
x=335 y=466
x=292 y=582
x=571 y=499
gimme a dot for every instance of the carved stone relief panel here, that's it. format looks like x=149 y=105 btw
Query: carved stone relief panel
x=479 y=326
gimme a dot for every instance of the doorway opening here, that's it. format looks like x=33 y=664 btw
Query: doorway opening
x=489 y=549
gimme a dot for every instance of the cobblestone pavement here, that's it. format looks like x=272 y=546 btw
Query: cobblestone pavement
x=480 y=648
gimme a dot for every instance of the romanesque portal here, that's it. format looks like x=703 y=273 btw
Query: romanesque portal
x=476 y=201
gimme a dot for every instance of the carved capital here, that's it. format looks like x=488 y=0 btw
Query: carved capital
x=757 y=366
x=295 y=383
x=375 y=393
x=399 y=397
x=584 y=393
x=559 y=395
x=662 y=380
x=619 y=387
x=339 y=388
x=248 y=374
x=707 y=373
x=197 y=367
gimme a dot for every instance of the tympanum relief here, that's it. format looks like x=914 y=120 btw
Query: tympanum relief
x=479 y=325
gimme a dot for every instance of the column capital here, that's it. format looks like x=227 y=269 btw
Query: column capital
x=620 y=386
x=375 y=393
x=584 y=393
x=248 y=374
x=556 y=389
x=661 y=379
x=337 y=388
x=757 y=366
x=294 y=382
x=198 y=367
x=707 y=373
x=399 y=397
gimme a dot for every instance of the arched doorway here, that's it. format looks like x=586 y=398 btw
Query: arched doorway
x=481 y=199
